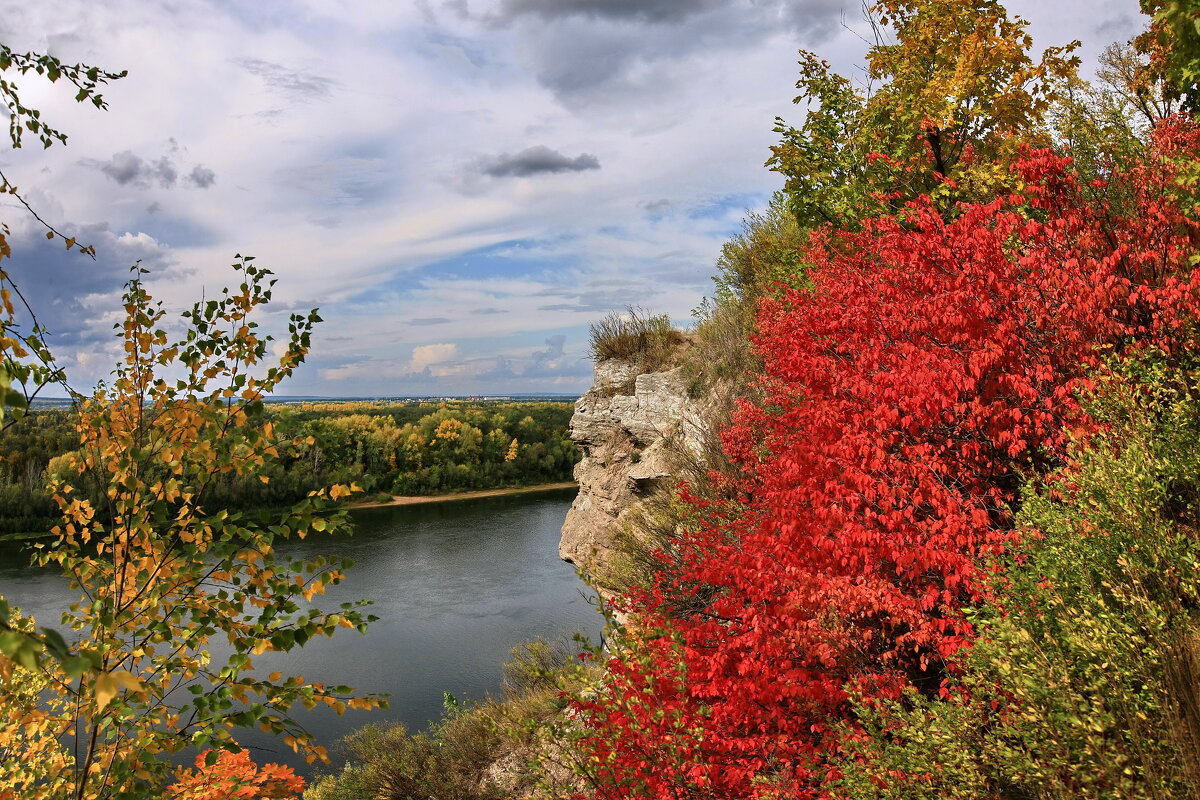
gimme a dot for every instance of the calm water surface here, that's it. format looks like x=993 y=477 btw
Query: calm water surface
x=455 y=585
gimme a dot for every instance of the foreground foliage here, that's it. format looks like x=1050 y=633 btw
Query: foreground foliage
x=947 y=105
x=1082 y=681
x=177 y=596
x=935 y=362
x=233 y=776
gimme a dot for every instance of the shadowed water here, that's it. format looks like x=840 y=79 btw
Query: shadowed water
x=455 y=585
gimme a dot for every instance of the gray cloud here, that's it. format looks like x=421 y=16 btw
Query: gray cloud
x=201 y=177
x=536 y=160
x=593 y=50
x=339 y=181
x=501 y=368
x=123 y=167
x=554 y=349
x=165 y=172
x=553 y=362
x=658 y=11
x=428 y=321
x=1114 y=28
x=77 y=298
x=489 y=311
x=129 y=169
x=295 y=85
x=596 y=299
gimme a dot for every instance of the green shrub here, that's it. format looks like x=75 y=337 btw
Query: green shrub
x=391 y=764
x=450 y=760
x=721 y=358
x=768 y=254
x=537 y=665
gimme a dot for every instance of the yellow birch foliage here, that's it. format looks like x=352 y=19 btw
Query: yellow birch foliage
x=26 y=364
x=167 y=582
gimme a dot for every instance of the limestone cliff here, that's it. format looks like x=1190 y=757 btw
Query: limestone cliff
x=638 y=434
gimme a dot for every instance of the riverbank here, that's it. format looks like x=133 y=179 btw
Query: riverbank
x=408 y=500
x=397 y=500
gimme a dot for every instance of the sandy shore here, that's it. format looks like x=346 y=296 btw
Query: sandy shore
x=402 y=500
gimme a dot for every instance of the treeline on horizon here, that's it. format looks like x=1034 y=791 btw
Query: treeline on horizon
x=414 y=448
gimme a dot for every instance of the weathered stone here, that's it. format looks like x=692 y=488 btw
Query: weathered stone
x=614 y=376
x=632 y=444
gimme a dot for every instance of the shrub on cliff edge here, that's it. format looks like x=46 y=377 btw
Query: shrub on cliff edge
x=637 y=336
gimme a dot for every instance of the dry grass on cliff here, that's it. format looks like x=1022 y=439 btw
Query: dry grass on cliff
x=637 y=336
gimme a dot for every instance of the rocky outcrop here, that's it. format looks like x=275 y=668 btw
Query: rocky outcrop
x=638 y=434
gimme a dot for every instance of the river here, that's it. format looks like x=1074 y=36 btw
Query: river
x=455 y=586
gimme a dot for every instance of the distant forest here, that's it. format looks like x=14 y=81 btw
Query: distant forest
x=412 y=448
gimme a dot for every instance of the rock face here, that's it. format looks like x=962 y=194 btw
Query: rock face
x=638 y=433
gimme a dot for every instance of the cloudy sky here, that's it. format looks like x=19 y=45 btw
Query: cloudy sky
x=461 y=186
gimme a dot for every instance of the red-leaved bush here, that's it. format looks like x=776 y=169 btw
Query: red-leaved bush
x=234 y=776
x=934 y=362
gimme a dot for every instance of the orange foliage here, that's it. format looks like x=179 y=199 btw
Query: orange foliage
x=234 y=776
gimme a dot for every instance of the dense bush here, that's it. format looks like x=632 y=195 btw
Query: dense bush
x=1082 y=680
x=934 y=363
x=767 y=255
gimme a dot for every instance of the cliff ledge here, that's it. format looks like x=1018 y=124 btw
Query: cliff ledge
x=638 y=434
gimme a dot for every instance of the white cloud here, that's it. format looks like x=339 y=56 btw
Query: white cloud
x=429 y=355
x=332 y=146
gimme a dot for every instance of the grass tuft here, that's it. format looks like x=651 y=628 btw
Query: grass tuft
x=635 y=335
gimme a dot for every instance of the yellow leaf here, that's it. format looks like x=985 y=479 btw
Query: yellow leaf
x=107 y=685
x=105 y=689
x=128 y=681
x=274 y=677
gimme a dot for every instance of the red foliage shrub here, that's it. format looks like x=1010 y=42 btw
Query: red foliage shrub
x=233 y=776
x=933 y=364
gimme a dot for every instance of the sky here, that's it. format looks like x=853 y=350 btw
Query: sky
x=460 y=186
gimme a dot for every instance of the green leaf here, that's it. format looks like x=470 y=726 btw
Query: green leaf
x=55 y=644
